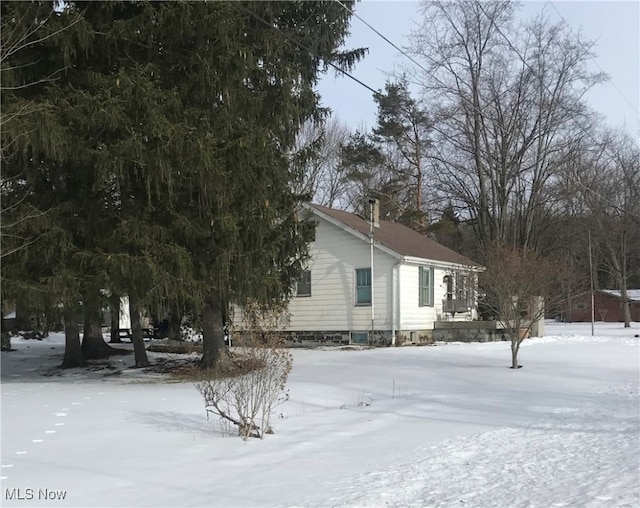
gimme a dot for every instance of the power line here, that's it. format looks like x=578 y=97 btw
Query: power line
x=418 y=64
x=300 y=44
x=376 y=92
x=564 y=21
x=353 y=13
x=584 y=131
x=403 y=52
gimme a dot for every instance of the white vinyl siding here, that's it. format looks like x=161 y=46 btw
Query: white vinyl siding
x=334 y=257
x=413 y=316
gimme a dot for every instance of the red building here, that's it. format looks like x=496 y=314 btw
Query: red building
x=608 y=306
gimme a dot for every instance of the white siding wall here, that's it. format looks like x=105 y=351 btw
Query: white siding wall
x=335 y=255
x=412 y=316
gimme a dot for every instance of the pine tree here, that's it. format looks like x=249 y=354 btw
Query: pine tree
x=389 y=163
x=403 y=130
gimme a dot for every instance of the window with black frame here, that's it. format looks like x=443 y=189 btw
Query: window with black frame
x=303 y=286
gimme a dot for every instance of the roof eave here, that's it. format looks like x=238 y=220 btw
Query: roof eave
x=353 y=231
x=442 y=264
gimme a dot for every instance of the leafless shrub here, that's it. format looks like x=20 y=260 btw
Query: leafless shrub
x=363 y=400
x=520 y=285
x=247 y=398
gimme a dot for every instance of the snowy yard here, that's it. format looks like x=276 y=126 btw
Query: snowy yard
x=448 y=425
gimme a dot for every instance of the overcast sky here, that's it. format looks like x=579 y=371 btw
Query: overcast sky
x=614 y=25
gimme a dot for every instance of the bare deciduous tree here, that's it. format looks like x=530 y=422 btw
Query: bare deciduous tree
x=317 y=155
x=519 y=286
x=602 y=183
x=508 y=99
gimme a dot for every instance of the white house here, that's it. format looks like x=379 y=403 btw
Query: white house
x=356 y=292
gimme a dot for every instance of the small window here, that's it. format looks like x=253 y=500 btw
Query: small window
x=359 y=337
x=425 y=286
x=462 y=292
x=303 y=287
x=448 y=281
x=363 y=286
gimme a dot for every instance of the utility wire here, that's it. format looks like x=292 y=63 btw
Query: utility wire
x=564 y=21
x=298 y=43
x=376 y=92
x=419 y=65
x=353 y=13
x=401 y=51
x=405 y=54
x=606 y=148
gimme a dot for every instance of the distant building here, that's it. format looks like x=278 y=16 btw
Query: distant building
x=608 y=306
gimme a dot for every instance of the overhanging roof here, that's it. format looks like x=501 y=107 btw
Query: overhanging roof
x=397 y=237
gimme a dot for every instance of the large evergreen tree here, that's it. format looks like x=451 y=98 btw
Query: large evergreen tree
x=163 y=149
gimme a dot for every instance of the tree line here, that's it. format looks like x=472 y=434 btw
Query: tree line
x=486 y=141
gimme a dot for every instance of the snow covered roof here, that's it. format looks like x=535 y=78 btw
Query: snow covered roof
x=633 y=294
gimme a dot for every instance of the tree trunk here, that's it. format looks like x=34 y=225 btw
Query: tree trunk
x=515 y=347
x=114 y=304
x=136 y=330
x=6 y=335
x=93 y=344
x=175 y=322
x=43 y=323
x=214 y=351
x=23 y=319
x=73 y=356
x=626 y=308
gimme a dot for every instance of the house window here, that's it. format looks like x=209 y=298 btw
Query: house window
x=359 y=337
x=303 y=287
x=462 y=291
x=425 y=286
x=448 y=281
x=363 y=286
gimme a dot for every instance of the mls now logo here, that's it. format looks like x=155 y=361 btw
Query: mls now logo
x=29 y=494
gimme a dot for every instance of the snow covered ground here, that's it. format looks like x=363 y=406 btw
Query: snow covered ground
x=448 y=425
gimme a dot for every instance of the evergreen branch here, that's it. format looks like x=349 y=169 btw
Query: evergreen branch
x=20 y=44
x=48 y=79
